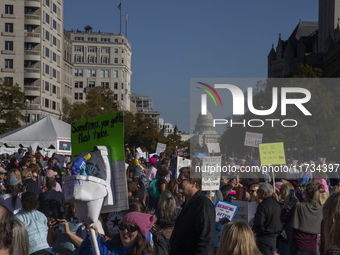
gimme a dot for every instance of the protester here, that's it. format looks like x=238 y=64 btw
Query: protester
x=218 y=226
x=157 y=186
x=6 y=226
x=28 y=182
x=17 y=174
x=12 y=197
x=237 y=239
x=133 y=192
x=2 y=180
x=20 y=243
x=267 y=220
x=151 y=171
x=253 y=193
x=172 y=187
x=35 y=222
x=134 y=228
x=135 y=178
x=194 y=231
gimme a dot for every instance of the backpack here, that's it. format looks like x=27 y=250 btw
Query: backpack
x=153 y=189
x=51 y=207
x=160 y=243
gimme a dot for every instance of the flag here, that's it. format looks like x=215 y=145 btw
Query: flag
x=119 y=6
x=127 y=17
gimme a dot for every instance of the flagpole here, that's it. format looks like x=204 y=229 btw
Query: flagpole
x=120 y=20
x=126 y=24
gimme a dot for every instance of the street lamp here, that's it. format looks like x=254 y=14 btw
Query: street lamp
x=101 y=108
x=27 y=103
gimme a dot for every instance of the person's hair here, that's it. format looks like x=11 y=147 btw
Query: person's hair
x=172 y=187
x=15 y=191
x=165 y=161
x=331 y=210
x=266 y=187
x=17 y=174
x=185 y=171
x=167 y=206
x=132 y=187
x=284 y=189
x=29 y=201
x=68 y=214
x=34 y=167
x=196 y=161
x=163 y=170
x=237 y=239
x=20 y=151
x=50 y=182
x=312 y=193
x=24 y=160
x=20 y=243
x=162 y=155
x=6 y=226
x=26 y=173
x=141 y=247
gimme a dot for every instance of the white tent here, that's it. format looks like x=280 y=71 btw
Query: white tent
x=44 y=131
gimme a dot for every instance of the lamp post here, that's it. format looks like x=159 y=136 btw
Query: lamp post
x=101 y=108
x=27 y=103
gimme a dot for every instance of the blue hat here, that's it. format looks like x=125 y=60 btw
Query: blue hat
x=137 y=170
x=12 y=180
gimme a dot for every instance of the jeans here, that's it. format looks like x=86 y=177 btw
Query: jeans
x=266 y=244
x=283 y=246
x=293 y=250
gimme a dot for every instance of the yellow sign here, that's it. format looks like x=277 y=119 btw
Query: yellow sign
x=272 y=154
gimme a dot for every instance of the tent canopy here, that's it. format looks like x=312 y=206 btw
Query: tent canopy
x=44 y=131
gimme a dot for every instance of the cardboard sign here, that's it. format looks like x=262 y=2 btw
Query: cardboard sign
x=182 y=162
x=160 y=148
x=63 y=146
x=253 y=139
x=213 y=147
x=272 y=154
x=225 y=209
x=246 y=212
x=211 y=176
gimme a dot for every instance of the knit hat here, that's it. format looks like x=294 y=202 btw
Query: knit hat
x=142 y=220
x=2 y=169
x=137 y=170
x=277 y=186
x=135 y=162
x=12 y=180
x=152 y=160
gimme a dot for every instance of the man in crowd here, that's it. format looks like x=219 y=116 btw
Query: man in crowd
x=6 y=226
x=267 y=220
x=194 y=231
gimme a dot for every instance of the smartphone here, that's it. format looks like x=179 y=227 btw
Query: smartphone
x=291 y=194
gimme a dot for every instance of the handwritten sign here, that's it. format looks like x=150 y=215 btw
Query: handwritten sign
x=182 y=162
x=160 y=148
x=139 y=150
x=253 y=139
x=272 y=154
x=225 y=209
x=211 y=173
x=246 y=212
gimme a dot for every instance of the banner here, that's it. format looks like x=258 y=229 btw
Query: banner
x=253 y=139
x=182 y=162
x=63 y=146
x=272 y=154
x=225 y=209
x=211 y=173
x=160 y=148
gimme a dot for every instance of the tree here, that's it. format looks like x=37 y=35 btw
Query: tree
x=99 y=101
x=11 y=102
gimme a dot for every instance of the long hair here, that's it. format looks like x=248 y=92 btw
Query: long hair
x=20 y=242
x=15 y=191
x=17 y=174
x=237 y=239
x=284 y=189
x=312 y=192
x=167 y=205
x=141 y=247
x=172 y=186
x=331 y=217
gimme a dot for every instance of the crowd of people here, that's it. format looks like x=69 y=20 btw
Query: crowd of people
x=168 y=211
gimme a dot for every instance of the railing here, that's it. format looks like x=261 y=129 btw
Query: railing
x=28 y=34
x=32 y=70
x=32 y=87
x=32 y=52
x=34 y=106
x=30 y=16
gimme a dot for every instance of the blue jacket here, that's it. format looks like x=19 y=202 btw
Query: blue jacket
x=36 y=225
x=218 y=233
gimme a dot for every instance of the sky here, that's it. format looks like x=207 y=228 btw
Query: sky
x=173 y=41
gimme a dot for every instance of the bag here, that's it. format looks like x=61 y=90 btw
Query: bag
x=63 y=243
x=52 y=207
x=160 y=243
x=153 y=190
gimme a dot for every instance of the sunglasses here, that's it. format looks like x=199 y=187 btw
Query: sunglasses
x=181 y=180
x=129 y=228
x=35 y=176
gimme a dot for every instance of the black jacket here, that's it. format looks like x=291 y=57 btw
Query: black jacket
x=267 y=218
x=194 y=231
x=140 y=187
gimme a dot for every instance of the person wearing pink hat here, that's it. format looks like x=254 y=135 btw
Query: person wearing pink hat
x=132 y=237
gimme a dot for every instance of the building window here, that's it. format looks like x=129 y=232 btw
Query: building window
x=54 y=105
x=9 y=27
x=92 y=49
x=47 y=52
x=105 y=84
x=47 y=86
x=104 y=60
x=47 y=18
x=54 y=89
x=9 y=63
x=122 y=85
x=8 y=9
x=78 y=72
x=104 y=73
x=78 y=49
x=48 y=2
x=122 y=97
x=122 y=60
x=115 y=50
x=115 y=85
x=105 y=50
x=122 y=50
x=115 y=74
x=76 y=84
x=116 y=40
x=54 y=57
x=78 y=59
x=80 y=96
x=122 y=73
x=54 y=73
x=54 y=8
x=76 y=96
x=91 y=73
x=92 y=84
x=10 y=79
x=79 y=38
x=54 y=41
x=55 y=24
x=115 y=96
x=92 y=39
x=47 y=103
x=91 y=59
x=47 y=69
x=47 y=35
x=116 y=61
x=8 y=45
x=105 y=39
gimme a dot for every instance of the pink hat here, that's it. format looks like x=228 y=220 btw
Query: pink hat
x=142 y=220
x=277 y=186
x=51 y=173
x=152 y=160
x=294 y=162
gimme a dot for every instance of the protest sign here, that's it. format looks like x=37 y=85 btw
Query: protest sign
x=182 y=162
x=213 y=147
x=139 y=150
x=211 y=173
x=201 y=155
x=63 y=146
x=108 y=131
x=113 y=219
x=246 y=212
x=225 y=209
x=272 y=154
x=160 y=148
x=253 y=139
x=183 y=152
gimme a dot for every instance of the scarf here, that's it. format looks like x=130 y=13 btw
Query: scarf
x=307 y=218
